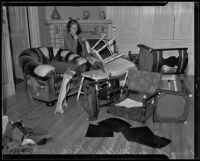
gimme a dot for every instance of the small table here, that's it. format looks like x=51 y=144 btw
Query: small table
x=93 y=75
x=112 y=69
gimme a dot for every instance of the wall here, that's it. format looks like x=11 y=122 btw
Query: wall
x=45 y=12
x=174 y=27
x=169 y=26
x=75 y=12
x=157 y=27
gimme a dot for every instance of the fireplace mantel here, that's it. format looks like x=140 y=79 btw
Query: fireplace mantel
x=91 y=29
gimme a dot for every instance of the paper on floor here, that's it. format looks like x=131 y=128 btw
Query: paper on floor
x=128 y=103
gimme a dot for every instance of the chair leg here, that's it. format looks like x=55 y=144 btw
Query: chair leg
x=50 y=104
x=80 y=87
x=25 y=80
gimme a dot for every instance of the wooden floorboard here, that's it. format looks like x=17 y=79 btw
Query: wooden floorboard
x=68 y=129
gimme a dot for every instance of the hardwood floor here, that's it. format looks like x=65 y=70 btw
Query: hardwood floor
x=68 y=129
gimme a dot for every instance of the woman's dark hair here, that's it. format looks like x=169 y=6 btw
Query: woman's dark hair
x=71 y=22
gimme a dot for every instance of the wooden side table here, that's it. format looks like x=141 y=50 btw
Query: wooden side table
x=93 y=75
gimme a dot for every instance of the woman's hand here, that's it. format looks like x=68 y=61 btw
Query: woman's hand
x=75 y=37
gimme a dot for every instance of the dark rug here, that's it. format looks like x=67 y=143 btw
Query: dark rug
x=141 y=135
x=99 y=131
x=144 y=135
x=117 y=125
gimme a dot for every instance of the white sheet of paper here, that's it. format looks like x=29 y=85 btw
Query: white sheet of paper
x=128 y=103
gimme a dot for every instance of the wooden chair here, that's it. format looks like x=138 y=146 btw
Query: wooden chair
x=138 y=102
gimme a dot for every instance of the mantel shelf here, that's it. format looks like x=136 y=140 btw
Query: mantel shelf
x=106 y=21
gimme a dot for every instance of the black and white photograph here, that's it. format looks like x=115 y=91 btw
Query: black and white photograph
x=99 y=79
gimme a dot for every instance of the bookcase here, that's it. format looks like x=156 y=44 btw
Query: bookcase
x=91 y=29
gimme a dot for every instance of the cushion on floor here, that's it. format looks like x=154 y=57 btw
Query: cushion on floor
x=61 y=67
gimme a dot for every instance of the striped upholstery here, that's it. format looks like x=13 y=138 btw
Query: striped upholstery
x=44 y=85
x=30 y=58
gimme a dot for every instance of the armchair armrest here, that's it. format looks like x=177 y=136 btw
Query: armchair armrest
x=94 y=62
x=81 y=61
x=91 y=60
x=43 y=70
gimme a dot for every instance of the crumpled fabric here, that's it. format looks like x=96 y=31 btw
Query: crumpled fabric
x=14 y=135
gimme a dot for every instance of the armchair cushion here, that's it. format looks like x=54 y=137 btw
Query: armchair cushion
x=61 y=67
x=43 y=70
x=81 y=61
x=72 y=56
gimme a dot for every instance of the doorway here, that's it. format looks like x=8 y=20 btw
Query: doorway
x=19 y=37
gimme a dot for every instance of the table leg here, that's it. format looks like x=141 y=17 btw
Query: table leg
x=175 y=85
x=97 y=93
x=80 y=87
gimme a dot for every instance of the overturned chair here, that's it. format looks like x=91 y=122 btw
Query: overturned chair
x=138 y=102
x=171 y=63
x=153 y=60
x=133 y=100
x=43 y=70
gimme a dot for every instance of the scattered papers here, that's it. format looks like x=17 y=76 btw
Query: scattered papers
x=128 y=103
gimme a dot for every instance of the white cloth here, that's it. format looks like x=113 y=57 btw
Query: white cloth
x=128 y=103
x=43 y=70
x=95 y=74
x=118 y=66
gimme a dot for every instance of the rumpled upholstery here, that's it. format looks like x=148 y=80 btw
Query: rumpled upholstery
x=43 y=68
x=30 y=58
x=14 y=140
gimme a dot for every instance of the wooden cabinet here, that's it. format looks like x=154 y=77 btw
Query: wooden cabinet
x=90 y=29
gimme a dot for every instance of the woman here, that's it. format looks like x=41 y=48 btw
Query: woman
x=72 y=40
x=74 y=43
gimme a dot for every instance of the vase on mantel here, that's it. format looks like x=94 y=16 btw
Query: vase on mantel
x=102 y=15
x=55 y=14
x=86 y=14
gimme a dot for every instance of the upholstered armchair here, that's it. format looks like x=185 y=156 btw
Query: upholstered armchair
x=43 y=68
